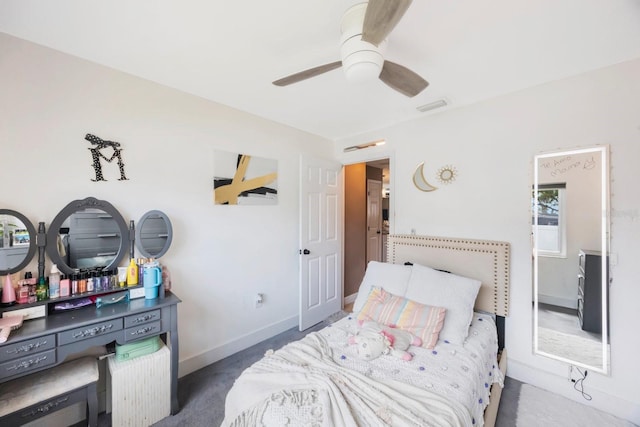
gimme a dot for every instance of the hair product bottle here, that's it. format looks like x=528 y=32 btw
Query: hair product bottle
x=132 y=273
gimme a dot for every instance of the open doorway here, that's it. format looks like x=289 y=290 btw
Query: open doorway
x=366 y=220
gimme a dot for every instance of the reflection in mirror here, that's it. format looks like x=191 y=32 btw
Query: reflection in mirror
x=154 y=234
x=17 y=241
x=570 y=262
x=87 y=233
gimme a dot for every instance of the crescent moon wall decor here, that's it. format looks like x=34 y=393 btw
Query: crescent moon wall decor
x=420 y=182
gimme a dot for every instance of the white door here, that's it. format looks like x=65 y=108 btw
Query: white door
x=320 y=240
x=374 y=220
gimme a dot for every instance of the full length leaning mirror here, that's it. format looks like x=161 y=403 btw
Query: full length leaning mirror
x=570 y=228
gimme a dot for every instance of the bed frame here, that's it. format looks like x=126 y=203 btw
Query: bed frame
x=484 y=260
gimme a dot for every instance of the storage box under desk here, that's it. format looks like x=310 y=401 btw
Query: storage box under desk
x=139 y=390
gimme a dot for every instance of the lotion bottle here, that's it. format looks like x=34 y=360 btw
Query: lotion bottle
x=132 y=273
x=54 y=282
x=65 y=286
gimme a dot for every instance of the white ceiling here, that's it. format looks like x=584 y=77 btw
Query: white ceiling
x=231 y=51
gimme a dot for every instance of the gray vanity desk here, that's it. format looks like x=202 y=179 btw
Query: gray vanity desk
x=43 y=343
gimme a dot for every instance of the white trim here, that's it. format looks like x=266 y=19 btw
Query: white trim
x=193 y=363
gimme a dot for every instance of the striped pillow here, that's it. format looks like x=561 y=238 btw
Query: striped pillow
x=387 y=309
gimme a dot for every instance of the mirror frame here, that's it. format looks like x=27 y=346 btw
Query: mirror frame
x=33 y=236
x=605 y=206
x=143 y=251
x=75 y=206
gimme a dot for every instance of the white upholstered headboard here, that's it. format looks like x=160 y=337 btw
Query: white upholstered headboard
x=484 y=260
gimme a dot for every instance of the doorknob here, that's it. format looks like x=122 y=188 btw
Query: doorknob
x=305 y=251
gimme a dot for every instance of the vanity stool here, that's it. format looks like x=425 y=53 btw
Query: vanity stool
x=31 y=397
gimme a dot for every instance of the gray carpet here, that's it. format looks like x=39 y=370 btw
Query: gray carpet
x=201 y=394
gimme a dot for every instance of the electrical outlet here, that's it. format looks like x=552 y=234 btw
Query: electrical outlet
x=259 y=300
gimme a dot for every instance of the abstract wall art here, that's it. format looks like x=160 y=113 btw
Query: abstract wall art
x=242 y=179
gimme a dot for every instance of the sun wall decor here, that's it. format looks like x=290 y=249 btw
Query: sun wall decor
x=447 y=174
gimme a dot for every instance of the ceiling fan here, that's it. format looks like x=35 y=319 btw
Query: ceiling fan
x=364 y=28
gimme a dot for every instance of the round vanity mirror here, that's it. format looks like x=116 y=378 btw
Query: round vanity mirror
x=88 y=233
x=17 y=241
x=153 y=234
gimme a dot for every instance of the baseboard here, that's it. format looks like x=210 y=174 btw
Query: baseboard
x=350 y=299
x=191 y=364
x=554 y=383
x=558 y=301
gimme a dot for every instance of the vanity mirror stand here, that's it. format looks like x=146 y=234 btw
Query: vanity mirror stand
x=87 y=235
x=87 y=240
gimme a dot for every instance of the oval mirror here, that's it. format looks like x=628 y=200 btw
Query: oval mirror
x=570 y=257
x=17 y=241
x=88 y=233
x=153 y=234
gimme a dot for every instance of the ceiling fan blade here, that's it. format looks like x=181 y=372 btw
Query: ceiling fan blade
x=306 y=74
x=402 y=79
x=381 y=18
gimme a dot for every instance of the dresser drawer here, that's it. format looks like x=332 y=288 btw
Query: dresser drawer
x=90 y=331
x=142 y=331
x=142 y=318
x=28 y=347
x=27 y=363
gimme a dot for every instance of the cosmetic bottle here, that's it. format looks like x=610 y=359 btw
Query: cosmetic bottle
x=8 y=292
x=65 y=286
x=82 y=282
x=41 y=290
x=132 y=273
x=91 y=281
x=54 y=282
x=74 y=283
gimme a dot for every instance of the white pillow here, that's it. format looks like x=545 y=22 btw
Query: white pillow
x=455 y=293
x=393 y=278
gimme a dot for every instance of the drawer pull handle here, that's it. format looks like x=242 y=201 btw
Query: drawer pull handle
x=143 y=330
x=25 y=364
x=45 y=408
x=25 y=348
x=145 y=318
x=93 y=331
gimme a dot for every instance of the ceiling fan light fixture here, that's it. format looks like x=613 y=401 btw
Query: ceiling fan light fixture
x=361 y=60
x=362 y=66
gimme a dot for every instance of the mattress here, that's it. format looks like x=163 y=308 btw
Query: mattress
x=446 y=385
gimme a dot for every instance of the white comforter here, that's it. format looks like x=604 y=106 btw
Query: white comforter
x=319 y=381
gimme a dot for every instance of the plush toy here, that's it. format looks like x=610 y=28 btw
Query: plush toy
x=373 y=340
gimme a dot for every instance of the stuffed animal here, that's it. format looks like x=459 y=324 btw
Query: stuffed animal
x=373 y=340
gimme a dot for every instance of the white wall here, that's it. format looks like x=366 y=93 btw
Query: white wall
x=221 y=255
x=492 y=146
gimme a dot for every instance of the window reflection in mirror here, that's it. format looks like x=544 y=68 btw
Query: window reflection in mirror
x=570 y=243
x=17 y=241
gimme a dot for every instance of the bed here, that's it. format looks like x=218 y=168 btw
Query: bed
x=451 y=292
